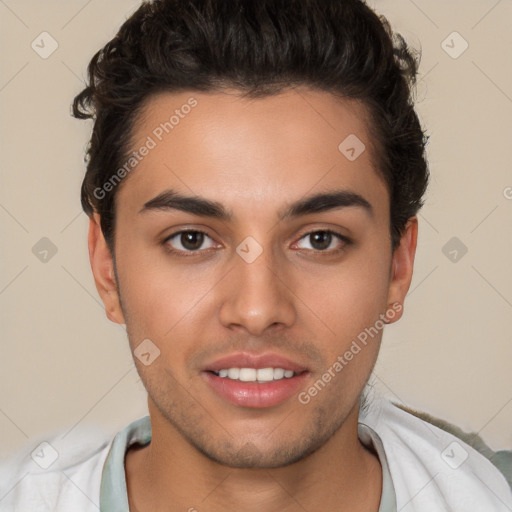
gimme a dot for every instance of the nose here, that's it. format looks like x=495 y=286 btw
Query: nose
x=256 y=296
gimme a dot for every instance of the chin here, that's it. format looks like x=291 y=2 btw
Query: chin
x=252 y=456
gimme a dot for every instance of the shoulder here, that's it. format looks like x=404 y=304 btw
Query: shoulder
x=501 y=459
x=431 y=466
x=58 y=474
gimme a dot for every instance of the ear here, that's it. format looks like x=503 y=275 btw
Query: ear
x=402 y=267
x=102 y=266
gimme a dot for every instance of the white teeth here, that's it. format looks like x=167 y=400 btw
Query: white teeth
x=265 y=374
x=278 y=373
x=233 y=373
x=247 y=374
x=255 y=375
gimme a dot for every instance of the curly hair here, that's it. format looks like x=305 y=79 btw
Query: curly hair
x=259 y=48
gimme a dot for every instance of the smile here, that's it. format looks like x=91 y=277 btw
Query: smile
x=255 y=374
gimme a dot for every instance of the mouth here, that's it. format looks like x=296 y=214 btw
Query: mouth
x=255 y=381
x=255 y=374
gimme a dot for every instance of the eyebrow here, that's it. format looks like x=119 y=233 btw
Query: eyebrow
x=322 y=202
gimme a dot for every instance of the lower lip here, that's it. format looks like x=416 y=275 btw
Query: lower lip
x=255 y=394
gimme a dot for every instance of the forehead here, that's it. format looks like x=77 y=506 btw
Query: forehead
x=251 y=153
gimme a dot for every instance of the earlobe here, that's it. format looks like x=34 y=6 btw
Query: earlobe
x=102 y=266
x=402 y=268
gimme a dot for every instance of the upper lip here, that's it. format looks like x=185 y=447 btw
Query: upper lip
x=248 y=360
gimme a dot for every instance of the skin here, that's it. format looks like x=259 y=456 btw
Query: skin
x=255 y=157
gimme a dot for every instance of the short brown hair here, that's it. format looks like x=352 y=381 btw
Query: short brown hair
x=259 y=47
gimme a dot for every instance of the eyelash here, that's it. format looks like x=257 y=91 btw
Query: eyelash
x=331 y=252
x=342 y=238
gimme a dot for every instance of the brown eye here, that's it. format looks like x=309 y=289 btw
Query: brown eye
x=320 y=240
x=189 y=241
x=192 y=240
x=323 y=240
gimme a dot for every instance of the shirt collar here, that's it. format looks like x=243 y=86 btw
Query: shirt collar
x=114 y=494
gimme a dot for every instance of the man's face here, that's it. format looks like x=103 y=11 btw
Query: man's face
x=212 y=302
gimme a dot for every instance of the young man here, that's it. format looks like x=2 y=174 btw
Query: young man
x=253 y=180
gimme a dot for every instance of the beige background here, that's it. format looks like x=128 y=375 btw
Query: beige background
x=64 y=366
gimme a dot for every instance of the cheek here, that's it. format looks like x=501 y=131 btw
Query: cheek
x=162 y=300
x=348 y=298
x=168 y=301
x=349 y=305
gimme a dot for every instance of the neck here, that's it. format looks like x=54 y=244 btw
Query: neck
x=170 y=474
